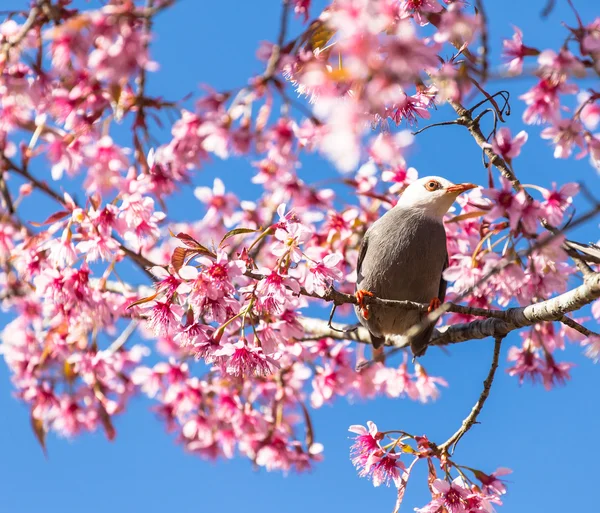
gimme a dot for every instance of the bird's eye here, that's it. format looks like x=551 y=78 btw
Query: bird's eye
x=433 y=185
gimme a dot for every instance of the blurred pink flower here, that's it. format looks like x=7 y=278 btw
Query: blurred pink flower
x=506 y=146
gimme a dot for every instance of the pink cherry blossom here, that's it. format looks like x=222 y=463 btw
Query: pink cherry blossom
x=592 y=348
x=543 y=101
x=590 y=111
x=400 y=177
x=560 y=65
x=220 y=204
x=450 y=497
x=564 y=134
x=527 y=364
x=290 y=241
x=505 y=145
x=591 y=39
x=491 y=484
x=322 y=274
x=241 y=359
x=557 y=201
x=366 y=443
x=420 y=8
x=514 y=51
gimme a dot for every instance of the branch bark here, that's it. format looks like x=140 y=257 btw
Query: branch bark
x=503 y=322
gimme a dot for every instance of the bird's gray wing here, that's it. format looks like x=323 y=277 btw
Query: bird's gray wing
x=443 y=283
x=361 y=256
x=375 y=340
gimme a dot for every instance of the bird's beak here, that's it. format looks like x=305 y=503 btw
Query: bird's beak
x=460 y=188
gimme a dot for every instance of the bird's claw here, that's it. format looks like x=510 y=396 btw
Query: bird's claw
x=360 y=298
x=434 y=304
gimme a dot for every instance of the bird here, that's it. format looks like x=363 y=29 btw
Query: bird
x=402 y=257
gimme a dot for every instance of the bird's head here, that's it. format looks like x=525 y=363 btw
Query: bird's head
x=433 y=195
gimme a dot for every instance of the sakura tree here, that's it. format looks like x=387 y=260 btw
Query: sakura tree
x=238 y=324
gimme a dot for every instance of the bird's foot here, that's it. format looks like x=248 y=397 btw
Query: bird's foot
x=360 y=297
x=434 y=304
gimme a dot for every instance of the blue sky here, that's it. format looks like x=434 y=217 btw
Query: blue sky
x=547 y=438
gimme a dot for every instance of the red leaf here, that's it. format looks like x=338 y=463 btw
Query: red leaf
x=57 y=216
x=192 y=243
x=178 y=257
x=188 y=240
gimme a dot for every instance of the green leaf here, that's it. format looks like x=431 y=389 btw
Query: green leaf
x=236 y=231
x=320 y=35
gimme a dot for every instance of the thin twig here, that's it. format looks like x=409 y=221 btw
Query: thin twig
x=150 y=12
x=276 y=52
x=123 y=337
x=442 y=123
x=38 y=184
x=567 y=321
x=27 y=26
x=548 y=8
x=484 y=40
x=6 y=197
x=472 y=417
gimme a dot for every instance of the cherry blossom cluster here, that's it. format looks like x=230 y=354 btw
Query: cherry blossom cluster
x=266 y=419
x=390 y=456
x=227 y=315
x=568 y=126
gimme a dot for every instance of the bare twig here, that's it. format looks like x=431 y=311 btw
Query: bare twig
x=38 y=184
x=442 y=123
x=276 y=53
x=151 y=11
x=22 y=34
x=484 y=40
x=471 y=419
x=567 y=321
x=6 y=197
x=123 y=337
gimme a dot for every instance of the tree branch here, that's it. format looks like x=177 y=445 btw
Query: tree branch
x=27 y=26
x=552 y=309
x=502 y=323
